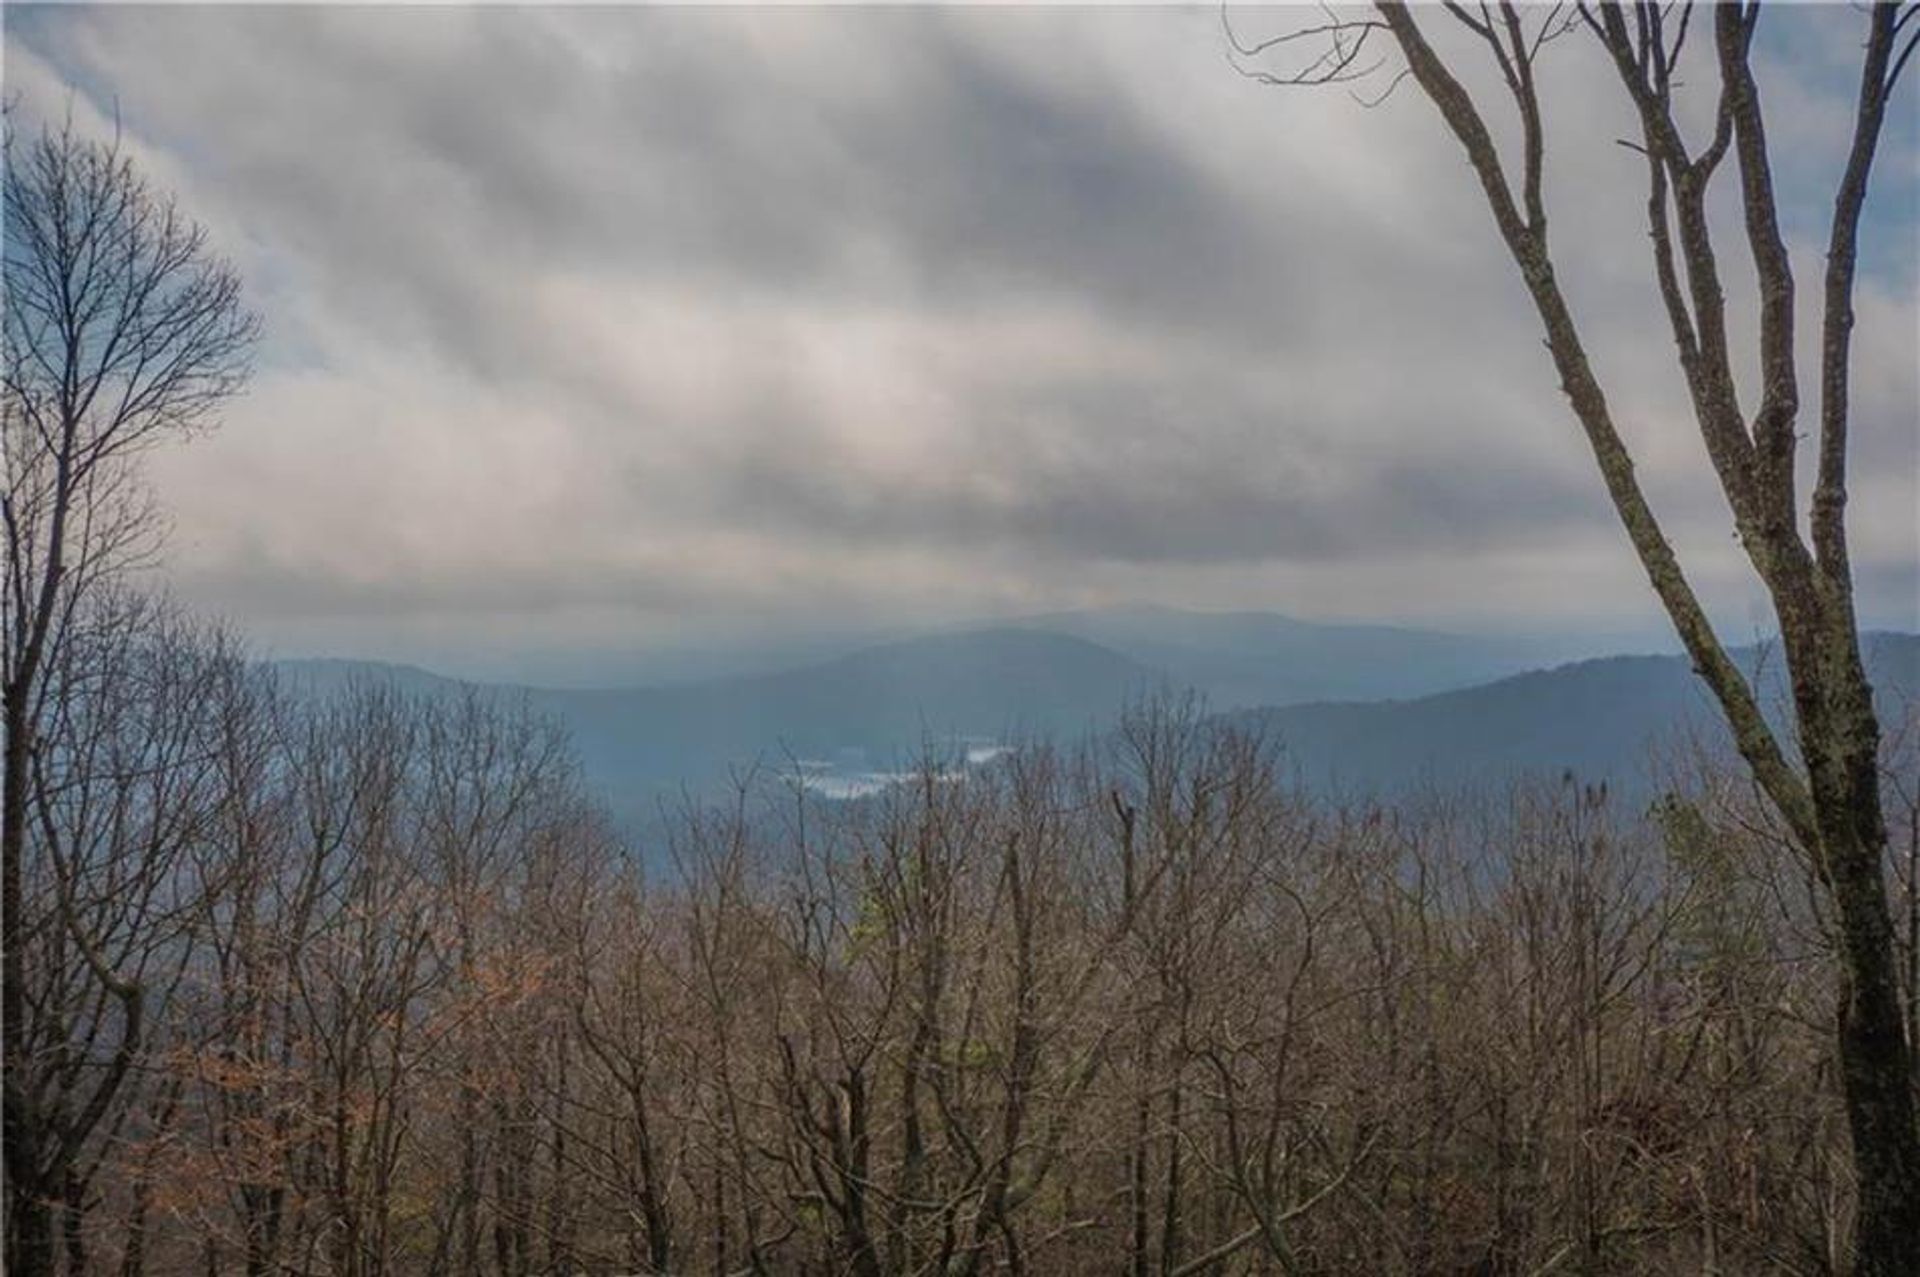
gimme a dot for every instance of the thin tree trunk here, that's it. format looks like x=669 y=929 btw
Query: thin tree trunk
x=29 y=1217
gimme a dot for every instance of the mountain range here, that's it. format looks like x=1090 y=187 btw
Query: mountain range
x=1350 y=708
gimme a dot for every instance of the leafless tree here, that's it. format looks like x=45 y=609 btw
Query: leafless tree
x=1827 y=790
x=412 y=1008
x=121 y=329
x=124 y=786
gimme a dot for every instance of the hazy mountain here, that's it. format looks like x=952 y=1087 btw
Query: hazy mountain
x=868 y=710
x=1243 y=659
x=325 y=675
x=873 y=709
x=1601 y=719
x=1238 y=659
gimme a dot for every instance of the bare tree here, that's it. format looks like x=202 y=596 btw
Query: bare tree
x=1829 y=795
x=410 y=1009
x=121 y=329
x=123 y=787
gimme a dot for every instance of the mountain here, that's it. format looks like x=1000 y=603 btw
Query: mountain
x=1244 y=659
x=327 y=675
x=866 y=711
x=871 y=708
x=871 y=711
x=1600 y=719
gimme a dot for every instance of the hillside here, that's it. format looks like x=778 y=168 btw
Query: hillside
x=1601 y=719
x=868 y=709
x=1246 y=659
x=873 y=710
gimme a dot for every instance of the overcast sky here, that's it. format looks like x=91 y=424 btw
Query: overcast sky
x=610 y=328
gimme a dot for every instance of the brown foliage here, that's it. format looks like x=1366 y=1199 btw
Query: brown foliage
x=1138 y=1007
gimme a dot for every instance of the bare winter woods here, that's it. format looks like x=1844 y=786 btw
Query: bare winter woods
x=362 y=983
x=405 y=1005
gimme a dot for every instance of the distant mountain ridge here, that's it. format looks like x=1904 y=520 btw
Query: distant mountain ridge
x=1237 y=658
x=1243 y=659
x=1601 y=719
x=881 y=704
x=876 y=708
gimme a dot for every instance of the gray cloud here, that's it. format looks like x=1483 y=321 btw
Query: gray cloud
x=642 y=314
x=1173 y=474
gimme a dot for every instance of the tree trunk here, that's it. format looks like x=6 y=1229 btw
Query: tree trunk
x=1832 y=801
x=30 y=1223
x=29 y=1216
x=1875 y=1059
x=73 y=1225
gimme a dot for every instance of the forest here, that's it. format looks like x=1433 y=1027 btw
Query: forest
x=362 y=984
x=362 y=980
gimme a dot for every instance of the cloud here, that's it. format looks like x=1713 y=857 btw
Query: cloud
x=601 y=321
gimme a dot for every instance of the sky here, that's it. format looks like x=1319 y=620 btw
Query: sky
x=600 y=331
